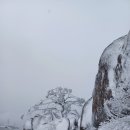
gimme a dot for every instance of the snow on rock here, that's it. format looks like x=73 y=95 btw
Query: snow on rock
x=49 y=126
x=86 y=117
x=64 y=124
x=59 y=124
x=111 y=95
x=118 y=124
x=27 y=125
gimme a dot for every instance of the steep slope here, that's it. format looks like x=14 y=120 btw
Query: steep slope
x=111 y=96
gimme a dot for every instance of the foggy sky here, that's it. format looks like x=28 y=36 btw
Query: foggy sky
x=50 y=43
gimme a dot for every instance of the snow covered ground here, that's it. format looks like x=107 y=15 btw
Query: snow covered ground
x=118 y=124
x=7 y=127
x=61 y=124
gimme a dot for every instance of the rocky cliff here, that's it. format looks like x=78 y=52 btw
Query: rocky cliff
x=111 y=95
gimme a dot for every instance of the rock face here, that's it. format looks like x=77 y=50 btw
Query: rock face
x=111 y=95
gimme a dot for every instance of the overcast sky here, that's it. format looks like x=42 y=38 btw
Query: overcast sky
x=50 y=43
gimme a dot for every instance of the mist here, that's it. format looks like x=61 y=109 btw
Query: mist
x=45 y=44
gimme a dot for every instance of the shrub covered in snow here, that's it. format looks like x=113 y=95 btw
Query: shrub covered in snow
x=58 y=104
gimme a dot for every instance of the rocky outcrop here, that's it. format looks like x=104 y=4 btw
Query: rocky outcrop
x=111 y=95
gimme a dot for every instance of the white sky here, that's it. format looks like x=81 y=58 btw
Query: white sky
x=50 y=43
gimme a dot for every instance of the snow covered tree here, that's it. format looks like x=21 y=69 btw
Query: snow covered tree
x=59 y=103
x=63 y=97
